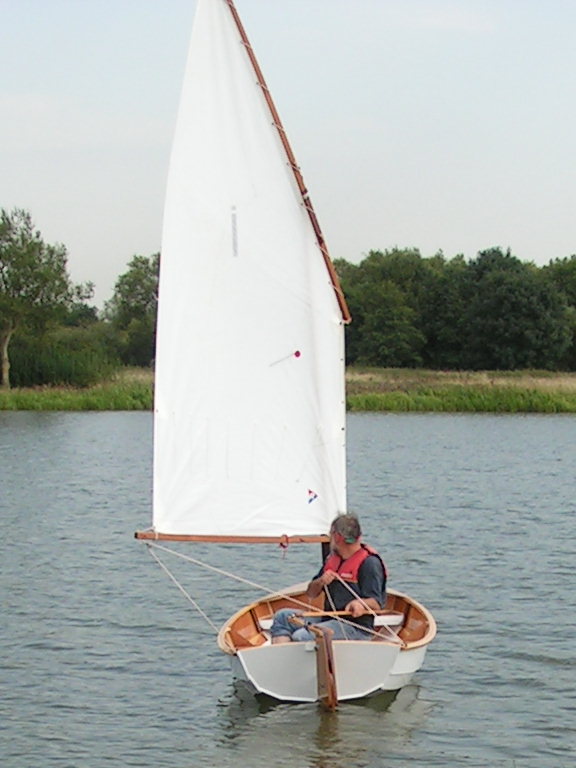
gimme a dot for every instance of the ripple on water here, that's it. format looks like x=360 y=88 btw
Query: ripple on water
x=104 y=663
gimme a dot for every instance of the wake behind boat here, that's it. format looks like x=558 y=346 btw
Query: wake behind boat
x=249 y=416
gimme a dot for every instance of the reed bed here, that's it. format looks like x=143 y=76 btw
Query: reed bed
x=127 y=391
x=368 y=389
x=495 y=400
x=402 y=390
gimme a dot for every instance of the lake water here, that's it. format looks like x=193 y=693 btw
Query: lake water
x=103 y=662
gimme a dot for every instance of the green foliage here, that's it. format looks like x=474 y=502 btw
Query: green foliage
x=76 y=357
x=35 y=289
x=113 y=395
x=381 y=296
x=515 y=319
x=132 y=310
x=442 y=311
x=466 y=400
x=494 y=312
x=80 y=315
x=33 y=277
x=562 y=274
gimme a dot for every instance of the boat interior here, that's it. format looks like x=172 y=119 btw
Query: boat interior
x=402 y=620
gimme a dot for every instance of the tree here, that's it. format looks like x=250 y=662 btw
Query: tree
x=388 y=335
x=515 y=316
x=442 y=310
x=133 y=307
x=35 y=288
x=383 y=330
x=562 y=273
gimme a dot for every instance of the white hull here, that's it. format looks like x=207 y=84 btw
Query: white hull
x=288 y=672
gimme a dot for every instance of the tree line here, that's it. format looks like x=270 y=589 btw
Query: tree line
x=493 y=312
x=49 y=331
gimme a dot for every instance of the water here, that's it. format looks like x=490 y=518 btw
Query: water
x=104 y=662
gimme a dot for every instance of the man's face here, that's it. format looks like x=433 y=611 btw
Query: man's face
x=335 y=539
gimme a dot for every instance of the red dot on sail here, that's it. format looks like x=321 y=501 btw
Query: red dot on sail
x=297 y=353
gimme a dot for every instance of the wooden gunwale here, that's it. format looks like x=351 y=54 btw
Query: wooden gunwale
x=264 y=608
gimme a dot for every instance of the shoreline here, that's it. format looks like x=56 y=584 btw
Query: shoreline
x=401 y=390
x=393 y=390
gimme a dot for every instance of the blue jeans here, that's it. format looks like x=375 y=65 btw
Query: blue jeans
x=281 y=626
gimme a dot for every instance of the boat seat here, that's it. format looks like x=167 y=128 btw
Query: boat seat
x=392 y=619
x=265 y=623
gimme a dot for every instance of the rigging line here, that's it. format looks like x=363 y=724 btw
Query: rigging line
x=367 y=607
x=356 y=596
x=234 y=576
x=329 y=597
x=222 y=572
x=181 y=588
x=368 y=631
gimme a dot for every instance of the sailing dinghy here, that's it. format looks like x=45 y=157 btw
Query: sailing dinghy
x=249 y=416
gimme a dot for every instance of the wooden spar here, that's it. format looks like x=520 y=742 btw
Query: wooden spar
x=382 y=612
x=325 y=663
x=346 y=317
x=281 y=540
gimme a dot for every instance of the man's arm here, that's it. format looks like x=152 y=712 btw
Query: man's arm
x=317 y=584
x=359 y=607
x=372 y=585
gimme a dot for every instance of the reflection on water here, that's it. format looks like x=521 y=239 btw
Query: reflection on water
x=267 y=732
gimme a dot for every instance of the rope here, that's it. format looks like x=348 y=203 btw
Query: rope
x=222 y=572
x=366 y=606
x=355 y=595
x=339 y=618
x=254 y=584
x=181 y=588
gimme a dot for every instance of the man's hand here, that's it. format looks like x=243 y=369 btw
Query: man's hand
x=317 y=585
x=356 y=608
x=327 y=578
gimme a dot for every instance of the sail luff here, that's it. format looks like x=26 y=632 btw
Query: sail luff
x=306 y=200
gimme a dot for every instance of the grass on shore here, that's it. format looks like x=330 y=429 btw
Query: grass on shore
x=368 y=389
x=130 y=389
x=402 y=390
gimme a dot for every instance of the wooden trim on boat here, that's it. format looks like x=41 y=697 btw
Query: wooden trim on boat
x=424 y=616
x=346 y=317
x=243 y=630
x=382 y=612
x=325 y=664
x=282 y=540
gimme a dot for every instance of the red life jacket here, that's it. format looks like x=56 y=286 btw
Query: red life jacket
x=352 y=564
x=348 y=570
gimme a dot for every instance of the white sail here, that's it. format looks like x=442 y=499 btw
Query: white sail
x=249 y=399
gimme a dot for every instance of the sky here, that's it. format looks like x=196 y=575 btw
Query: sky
x=436 y=124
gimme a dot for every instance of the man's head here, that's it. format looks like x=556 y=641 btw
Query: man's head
x=345 y=529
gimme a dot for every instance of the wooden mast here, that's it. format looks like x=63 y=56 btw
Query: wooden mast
x=307 y=202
